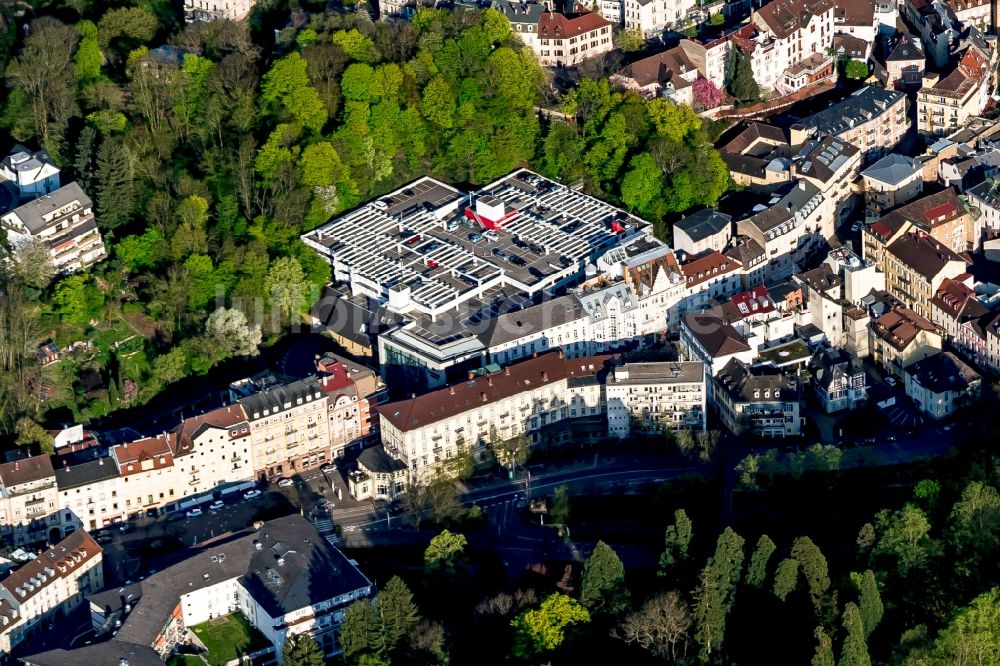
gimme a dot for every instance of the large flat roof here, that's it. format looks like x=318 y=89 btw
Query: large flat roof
x=423 y=248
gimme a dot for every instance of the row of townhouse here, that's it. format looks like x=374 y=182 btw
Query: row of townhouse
x=547 y=399
x=281 y=430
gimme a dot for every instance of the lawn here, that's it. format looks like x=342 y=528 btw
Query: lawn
x=228 y=637
x=184 y=660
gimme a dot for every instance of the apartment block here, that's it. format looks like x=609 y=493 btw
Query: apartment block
x=150 y=479
x=29 y=500
x=48 y=588
x=944 y=105
x=890 y=182
x=761 y=401
x=522 y=399
x=901 y=336
x=873 y=119
x=789 y=42
x=211 y=449
x=91 y=494
x=566 y=40
x=63 y=221
x=915 y=266
x=941 y=383
x=216 y=10
x=651 y=398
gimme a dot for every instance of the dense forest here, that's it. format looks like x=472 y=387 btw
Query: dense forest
x=208 y=159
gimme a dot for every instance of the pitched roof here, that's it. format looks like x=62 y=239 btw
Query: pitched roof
x=26 y=470
x=151 y=453
x=860 y=107
x=703 y=224
x=943 y=372
x=716 y=336
x=921 y=253
x=850 y=46
x=32 y=213
x=272 y=400
x=907 y=49
x=709 y=265
x=958 y=301
x=784 y=17
x=900 y=326
x=966 y=76
x=744 y=383
x=545 y=369
x=664 y=372
x=859 y=13
x=85 y=473
x=223 y=418
x=63 y=560
x=374 y=459
x=893 y=169
x=658 y=67
x=564 y=26
x=823 y=160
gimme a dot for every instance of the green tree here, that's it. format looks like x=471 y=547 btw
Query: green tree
x=854 y=651
x=88 y=59
x=786 y=578
x=115 y=178
x=286 y=88
x=359 y=630
x=974 y=522
x=869 y=600
x=762 y=552
x=927 y=492
x=716 y=591
x=397 y=616
x=742 y=85
x=824 y=649
x=903 y=537
x=544 y=629
x=302 y=650
x=602 y=585
x=30 y=433
x=972 y=637
x=285 y=282
x=629 y=40
x=355 y=45
x=676 y=541
x=813 y=566
x=856 y=69
x=444 y=551
x=641 y=187
x=559 y=506
x=133 y=24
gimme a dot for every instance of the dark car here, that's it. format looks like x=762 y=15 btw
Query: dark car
x=535 y=272
x=516 y=260
x=499 y=253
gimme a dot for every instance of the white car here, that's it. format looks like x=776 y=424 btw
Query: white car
x=216 y=505
x=284 y=483
x=891 y=381
x=194 y=513
x=251 y=494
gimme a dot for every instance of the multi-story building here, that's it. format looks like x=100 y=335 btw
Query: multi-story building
x=523 y=17
x=978 y=13
x=985 y=199
x=824 y=288
x=941 y=383
x=761 y=401
x=904 y=65
x=150 y=479
x=873 y=119
x=90 y=494
x=289 y=428
x=650 y=17
x=707 y=229
x=63 y=221
x=26 y=175
x=901 y=336
x=789 y=43
x=377 y=476
x=890 y=182
x=29 y=500
x=523 y=399
x=797 y=222
x=281 y=576
x=446 y=264
x=49 y=587
x=839 y=380
x=708 y=278
x=944 y=105
x=216 y=10
x=915 y=266
x=566 y=40
x=212 y=449
x=964 y=319
x=655 y=398
x=941 y=216
x=669 y=74
x=709 y=339
x=857 y=19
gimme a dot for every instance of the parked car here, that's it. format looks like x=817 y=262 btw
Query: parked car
x=216 y=505
x=475 y=238
x=104 y=538
x=251 y=494
x=175 y=517
x=194 y=513
x=891 y=381
x=516 y=260
x=284 y=483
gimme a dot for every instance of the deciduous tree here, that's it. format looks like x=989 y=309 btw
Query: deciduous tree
x=660 y=627
x=543 y=630
x=444 y=552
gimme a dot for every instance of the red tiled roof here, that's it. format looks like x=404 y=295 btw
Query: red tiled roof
x=704 y=268
x=62 y=560
x=552 y=24
x=221 y=419
x=527 y=375
x=784 y=17
x=900 y=326
x=157 y=449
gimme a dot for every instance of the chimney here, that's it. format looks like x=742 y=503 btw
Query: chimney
x=562 y=354
x=472 y=375
x=17 y=465
x=489 y=381
x=534 y=354
x=545 y=376
x=451 y=390
x=483 y=396
x=506 y=371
